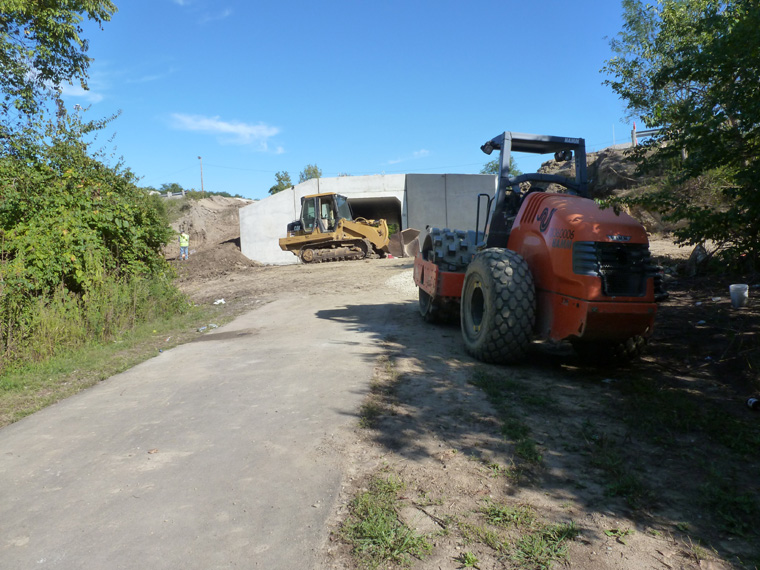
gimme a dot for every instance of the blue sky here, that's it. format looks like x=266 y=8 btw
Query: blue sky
x=356 y=87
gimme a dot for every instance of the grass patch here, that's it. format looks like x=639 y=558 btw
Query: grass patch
x=29 y=387
x=370 y=412
x=659 y=410
x=735 y=510
x=483 y=535
x=540 y=549
x=504 y=515
x=381 y=393
x=467 y=560
x=374 y=531
x=515 y=532
x=502 y=394
x=620 y=479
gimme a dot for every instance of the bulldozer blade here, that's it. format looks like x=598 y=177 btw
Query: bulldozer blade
x=410 y=241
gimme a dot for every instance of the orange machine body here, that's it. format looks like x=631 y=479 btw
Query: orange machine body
x=591 y=269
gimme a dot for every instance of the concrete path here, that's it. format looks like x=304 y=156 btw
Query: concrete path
x=216 y=454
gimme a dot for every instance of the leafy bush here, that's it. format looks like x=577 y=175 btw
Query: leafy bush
x=70 y=227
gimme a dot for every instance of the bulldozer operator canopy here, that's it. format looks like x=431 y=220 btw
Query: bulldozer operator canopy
x=328 y=207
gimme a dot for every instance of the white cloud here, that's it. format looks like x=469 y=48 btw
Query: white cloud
x=77 y=92
x=147 y=78
x=216 y=17
x=422 y=153
x=231 y=132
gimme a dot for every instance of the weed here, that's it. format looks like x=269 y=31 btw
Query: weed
x=541 y=548
x=655 y=410
x=621 y=481
x=495 y=468
x=619 y=534
x=500 y=393
x=696 y=551
x=484 y=535
x=735 y=510
x=374 y=531
x=504 y=515
x=467 y=560
x=382 y=392
x=369 y=413
x=515 y=429
x=527 y=449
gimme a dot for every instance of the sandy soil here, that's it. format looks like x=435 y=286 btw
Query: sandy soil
x=441 y=434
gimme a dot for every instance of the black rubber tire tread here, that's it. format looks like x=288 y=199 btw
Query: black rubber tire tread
x=611 y=354
x=498 y=309
x=450 y=255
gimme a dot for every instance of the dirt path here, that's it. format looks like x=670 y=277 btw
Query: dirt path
x=638 y=496
x=225 y=452
x=654 y=465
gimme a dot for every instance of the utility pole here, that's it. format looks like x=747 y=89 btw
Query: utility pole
x=203 y=195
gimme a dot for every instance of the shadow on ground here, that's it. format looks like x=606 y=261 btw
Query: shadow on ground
x=666 y=443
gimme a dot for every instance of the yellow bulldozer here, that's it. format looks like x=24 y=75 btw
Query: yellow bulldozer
x=327 y=231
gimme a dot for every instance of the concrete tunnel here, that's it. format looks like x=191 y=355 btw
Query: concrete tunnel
x=388 y=208
x=404 y=200
x=376 y=208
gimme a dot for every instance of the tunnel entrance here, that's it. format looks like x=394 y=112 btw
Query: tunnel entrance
x=388 y=208
x=376 y=208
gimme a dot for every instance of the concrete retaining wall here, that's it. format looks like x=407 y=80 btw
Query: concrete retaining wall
x=446 y=200
x=435 y=200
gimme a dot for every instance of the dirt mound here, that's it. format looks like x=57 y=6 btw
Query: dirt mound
x=210 y=222
x=214 y=227
x=609 y=169
x=610 y=172
x=213 y=262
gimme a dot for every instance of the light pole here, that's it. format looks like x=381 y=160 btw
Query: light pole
x=202 y=193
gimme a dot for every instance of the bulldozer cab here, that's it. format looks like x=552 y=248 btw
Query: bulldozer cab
x=323 y=211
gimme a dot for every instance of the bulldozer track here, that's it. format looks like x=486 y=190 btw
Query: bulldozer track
x=351 y=251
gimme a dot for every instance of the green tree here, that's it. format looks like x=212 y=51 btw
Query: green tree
x=172 y=187
x=652 y=39
x=41 y=47
x=310 y=171
x=283 y=182
x=697 y=77
x=492 y=167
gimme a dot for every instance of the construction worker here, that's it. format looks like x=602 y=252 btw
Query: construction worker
x=184 y=243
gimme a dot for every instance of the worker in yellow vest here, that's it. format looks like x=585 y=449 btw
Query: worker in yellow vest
x=184 y=243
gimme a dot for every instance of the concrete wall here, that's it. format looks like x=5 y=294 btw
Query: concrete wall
x=435 y=200
x=263 y=223
x=446 y=200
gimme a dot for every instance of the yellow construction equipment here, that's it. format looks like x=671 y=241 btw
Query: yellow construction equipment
x=327 y=231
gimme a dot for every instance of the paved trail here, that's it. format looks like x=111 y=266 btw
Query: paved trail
x=216 y=454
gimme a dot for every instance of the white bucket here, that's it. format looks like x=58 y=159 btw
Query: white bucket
x=739 y=295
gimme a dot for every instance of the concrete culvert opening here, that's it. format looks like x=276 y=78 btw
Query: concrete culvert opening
x=388 y=208
x=376 y=208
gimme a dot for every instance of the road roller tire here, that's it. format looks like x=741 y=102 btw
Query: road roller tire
x=498 y=308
